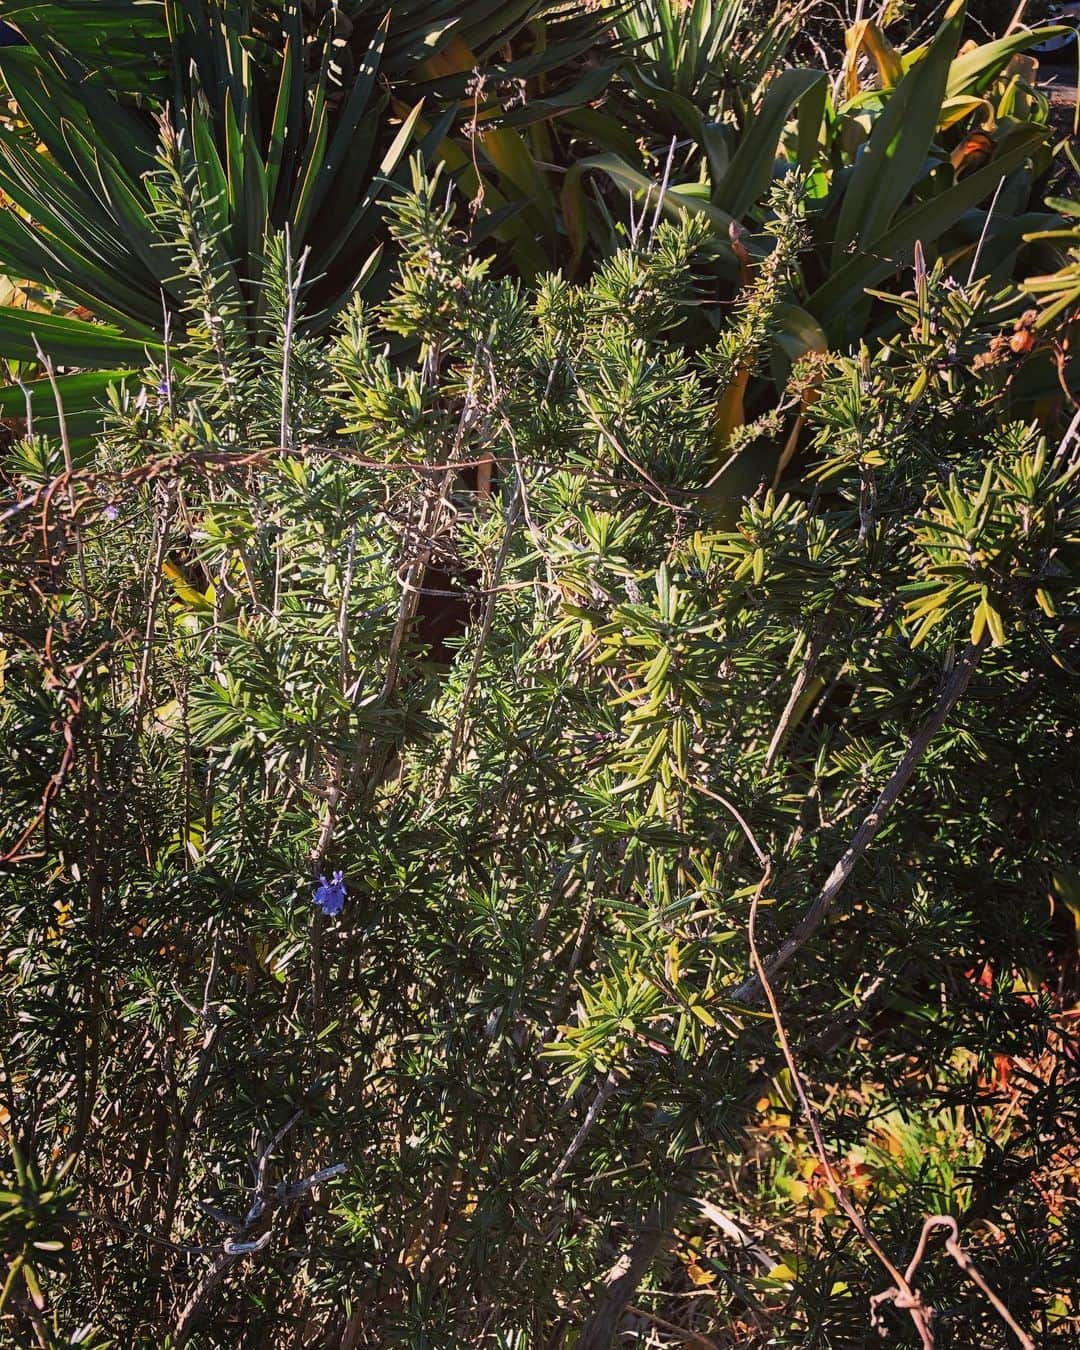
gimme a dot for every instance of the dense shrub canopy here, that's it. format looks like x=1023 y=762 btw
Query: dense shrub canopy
x=547 y=811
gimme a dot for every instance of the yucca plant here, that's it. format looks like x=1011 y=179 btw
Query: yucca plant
x=701 y=61
x=120 y=40
x=915 y=158
x=509 y=39
x=279 y=124
x=264 y=152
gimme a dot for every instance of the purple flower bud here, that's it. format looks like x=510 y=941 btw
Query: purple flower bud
x=111 y=512
x=330 y=895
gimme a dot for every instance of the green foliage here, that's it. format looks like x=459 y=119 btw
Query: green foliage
x=885 y=167
x=113 y=37
x=1058 y=292
x=466 y=629
x=273 y=123
x=438 y=693
x=35 y=1223
x=701 y=62
x=263 y=157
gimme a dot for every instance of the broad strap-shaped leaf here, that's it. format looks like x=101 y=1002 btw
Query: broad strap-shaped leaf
x=868 y=36
x=503 y=217
x=379 y=183
x=82 y=396
x=79 y=252
x=68 y=341
x=280 y=126
x=682 y=110
x=975 y=71
x=120 y=41
x=894 y=248
x=892 y=159
x=505 y=147
x=676 y=200
x=354 y=111
x=751 y=169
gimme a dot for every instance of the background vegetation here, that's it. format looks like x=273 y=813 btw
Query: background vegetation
x=538 y=648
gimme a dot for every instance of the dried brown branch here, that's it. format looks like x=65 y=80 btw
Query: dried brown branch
x=966 y=1264
x=902 y=1294
x=920 y=1315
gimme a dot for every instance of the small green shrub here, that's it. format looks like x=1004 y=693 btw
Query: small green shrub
x=514 y=1037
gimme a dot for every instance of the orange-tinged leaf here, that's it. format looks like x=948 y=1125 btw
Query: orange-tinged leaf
x=731 y=410
x=454 y=58
x=867 y=36
x=699 y=1276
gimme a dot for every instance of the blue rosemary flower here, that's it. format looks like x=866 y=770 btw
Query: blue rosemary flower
x=330 y=895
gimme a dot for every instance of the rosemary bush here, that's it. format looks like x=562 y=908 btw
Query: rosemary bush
x=402 y=747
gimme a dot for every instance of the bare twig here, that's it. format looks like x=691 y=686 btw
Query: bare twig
x=664 y=182
x=902 y=1293
x=955 y=685
x=426 y=527
x=292 y=288
x=985 y=231
x=155 y=562
x=333 y=791
x=966 y=1264
x=802 y=682
x=166 y=335
x=603 y=1093
x=687 y=1335
x=731 y=1229
x=293 y=285
x=609 y=436
x=919 y=1314
x=1017 y=18
x=223 y=460
x=69 y=469
x=1072 y=432
x=734 y=812
x=255 y=1231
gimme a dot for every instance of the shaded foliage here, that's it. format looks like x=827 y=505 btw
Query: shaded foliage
x=443 y=698
x=526 y=1024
